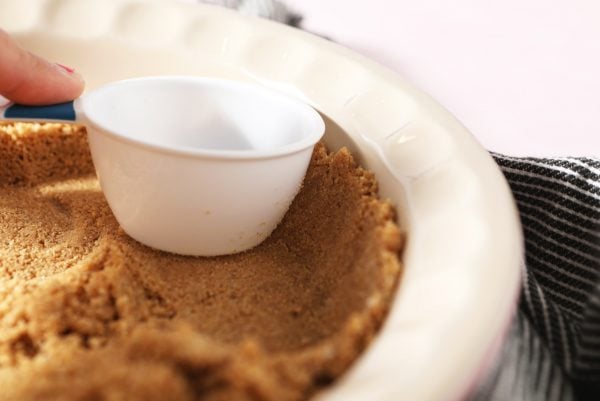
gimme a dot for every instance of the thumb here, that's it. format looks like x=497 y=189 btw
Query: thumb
x=28 y=79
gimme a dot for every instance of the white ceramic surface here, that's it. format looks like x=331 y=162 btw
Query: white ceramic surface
x=198 y=166
x=464 y=246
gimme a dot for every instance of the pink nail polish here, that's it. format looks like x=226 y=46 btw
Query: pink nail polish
x=67 y=69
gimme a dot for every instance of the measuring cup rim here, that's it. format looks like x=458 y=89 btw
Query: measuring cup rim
x=247 y=154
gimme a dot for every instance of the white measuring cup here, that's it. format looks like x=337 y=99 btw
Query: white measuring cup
x=190 y=165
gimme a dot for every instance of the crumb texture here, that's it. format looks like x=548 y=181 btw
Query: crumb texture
x=86 y=313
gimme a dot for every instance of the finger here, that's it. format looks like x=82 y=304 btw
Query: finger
x=28 y=79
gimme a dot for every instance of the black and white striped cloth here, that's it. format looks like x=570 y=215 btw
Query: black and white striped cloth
x=272 y=9
x=553 y=349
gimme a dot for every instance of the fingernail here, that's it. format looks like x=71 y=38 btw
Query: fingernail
x=67 y=69
x=69 y=72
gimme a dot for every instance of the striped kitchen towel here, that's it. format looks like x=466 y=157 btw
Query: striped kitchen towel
x=553 y=349
x=272 y=9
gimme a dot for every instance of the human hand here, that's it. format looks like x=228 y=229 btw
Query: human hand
x=28 y=79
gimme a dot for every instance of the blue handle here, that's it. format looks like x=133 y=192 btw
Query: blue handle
x=60 y=111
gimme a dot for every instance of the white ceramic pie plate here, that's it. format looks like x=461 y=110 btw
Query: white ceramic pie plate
x=462 y=261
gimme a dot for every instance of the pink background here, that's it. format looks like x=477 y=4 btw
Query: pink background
x=522 y=75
